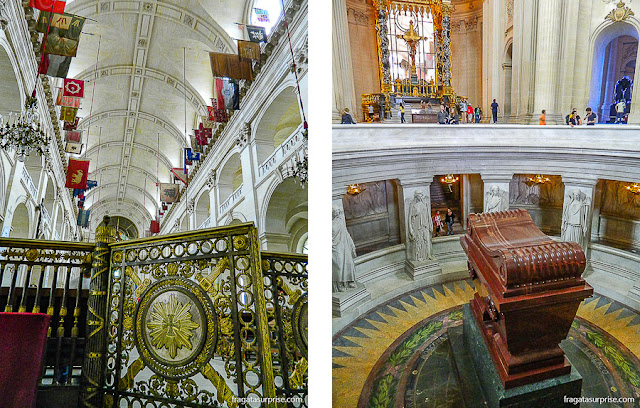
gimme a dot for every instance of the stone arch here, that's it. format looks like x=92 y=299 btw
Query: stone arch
x=600 y=38
x=21 y=221
x=286 y=216
x=201 y=207
x=11 y=89
x=277 y=122
x=230 y=176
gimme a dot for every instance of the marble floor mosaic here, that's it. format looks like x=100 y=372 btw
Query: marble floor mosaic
x=398 y=355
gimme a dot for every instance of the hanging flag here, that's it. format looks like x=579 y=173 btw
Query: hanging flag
x=81 y=204
x=208 y=122
x=230 y=66
x=190 y=155
x=74 y=87
x=228 y=91
x=91 y=184
x=249 y=49
x=262 y=14
x=179 y=173
x=220 y=115
x=73 y=147
x=257 y=33
x=68 y=114
x=73 y=135
x=219 y=94
x=68 y=101
x=165 y=207
x=55 y=66
x=169 y=192
x=83 y=218
x=155 y=227
x=205 y=131
x=211 y=110
x=64 y=32
x=45 y=5
x=236 y=95
x=77 y=173
x=73 y=125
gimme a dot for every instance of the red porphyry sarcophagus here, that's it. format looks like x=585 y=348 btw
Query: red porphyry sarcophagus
x=529 y=292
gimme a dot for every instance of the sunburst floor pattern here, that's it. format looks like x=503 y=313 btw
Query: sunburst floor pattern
x=398 y=354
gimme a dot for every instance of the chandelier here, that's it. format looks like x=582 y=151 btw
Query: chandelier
x=538 y=179
x=22 y=132
x=449 y=179
x=634 y=188
x=355 y=189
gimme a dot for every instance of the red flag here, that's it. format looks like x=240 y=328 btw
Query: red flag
x=155 y=227
x=74 y=88
x=68 y=101
x=210 y=109
x=74 y=135
x=77 y=174
x=71 y=125
x=219 y=96
x=45 y=5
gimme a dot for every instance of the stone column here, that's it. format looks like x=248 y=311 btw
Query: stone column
x=350 y=300
x=191 y=214
x=547 y=52
x=248 y=176
x=418 y=229
x=609 y=87
x=466 y=200
x=212 y=183
x=344 y=94
x=577 y=210
x=496 y=191
x=523 y=60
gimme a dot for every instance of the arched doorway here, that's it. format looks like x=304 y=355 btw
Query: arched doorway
x=507 y=82
x=20 y=223
x=614 y=58
x=202 y=209
x=286 y=219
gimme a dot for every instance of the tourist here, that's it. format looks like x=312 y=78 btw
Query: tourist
x=401 y=113
x=463 y=109
x=494 y=111
x=346 y=118
x=620 y=108
x=469 y=114
x=478 y=114
x=591 y=117
x=574 y=119
x=543 y=118
x=449 y=218
x=370 y=113
x=455 y=116
x=437 y=223
x=442 y=115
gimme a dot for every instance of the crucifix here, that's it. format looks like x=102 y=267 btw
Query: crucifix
x=412 y=39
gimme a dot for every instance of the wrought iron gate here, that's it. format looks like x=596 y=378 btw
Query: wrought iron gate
x=189 y=322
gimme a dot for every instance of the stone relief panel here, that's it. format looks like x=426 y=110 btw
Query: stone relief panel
x=549 y=194
x=372 y=216
x=575 y=217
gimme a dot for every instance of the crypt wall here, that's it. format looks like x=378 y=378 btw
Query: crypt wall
x=505 y=156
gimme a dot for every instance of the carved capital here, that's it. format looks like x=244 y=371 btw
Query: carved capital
x=211 y=179
x=245 y=134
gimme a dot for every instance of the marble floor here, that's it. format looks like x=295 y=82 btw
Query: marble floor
x=399 y=355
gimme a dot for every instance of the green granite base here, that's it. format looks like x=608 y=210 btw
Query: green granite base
x=480 y=379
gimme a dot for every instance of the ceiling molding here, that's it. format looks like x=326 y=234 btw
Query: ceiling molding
x=212 y=34
x=116 y=167
x=193 y=97
x=151 y=198
x=105 y=204
x=124 y=113
x=164 y=159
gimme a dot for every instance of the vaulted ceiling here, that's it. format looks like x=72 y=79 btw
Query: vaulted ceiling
x=140 y=58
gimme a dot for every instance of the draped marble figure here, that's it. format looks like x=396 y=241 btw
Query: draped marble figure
x=496 y=200
x=420 y=227
x=575 y=216
x=343 y=253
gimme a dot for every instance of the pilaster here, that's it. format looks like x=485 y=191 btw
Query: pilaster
x=344 y=95
x=547 y=52
x=496 y=191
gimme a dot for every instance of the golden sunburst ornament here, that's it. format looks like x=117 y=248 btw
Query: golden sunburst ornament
x=171 y=326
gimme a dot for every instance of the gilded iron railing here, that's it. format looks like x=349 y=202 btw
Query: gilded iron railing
x=421 y=89
x=47 y=276
x=187 y=322
x=285 y=281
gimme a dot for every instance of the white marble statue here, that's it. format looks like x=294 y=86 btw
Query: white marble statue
x=575 y=216
x=420 y=227
x=496 y=200
x=344 y=251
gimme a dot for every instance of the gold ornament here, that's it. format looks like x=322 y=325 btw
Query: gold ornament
x=620 y=13
x=171 y=326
